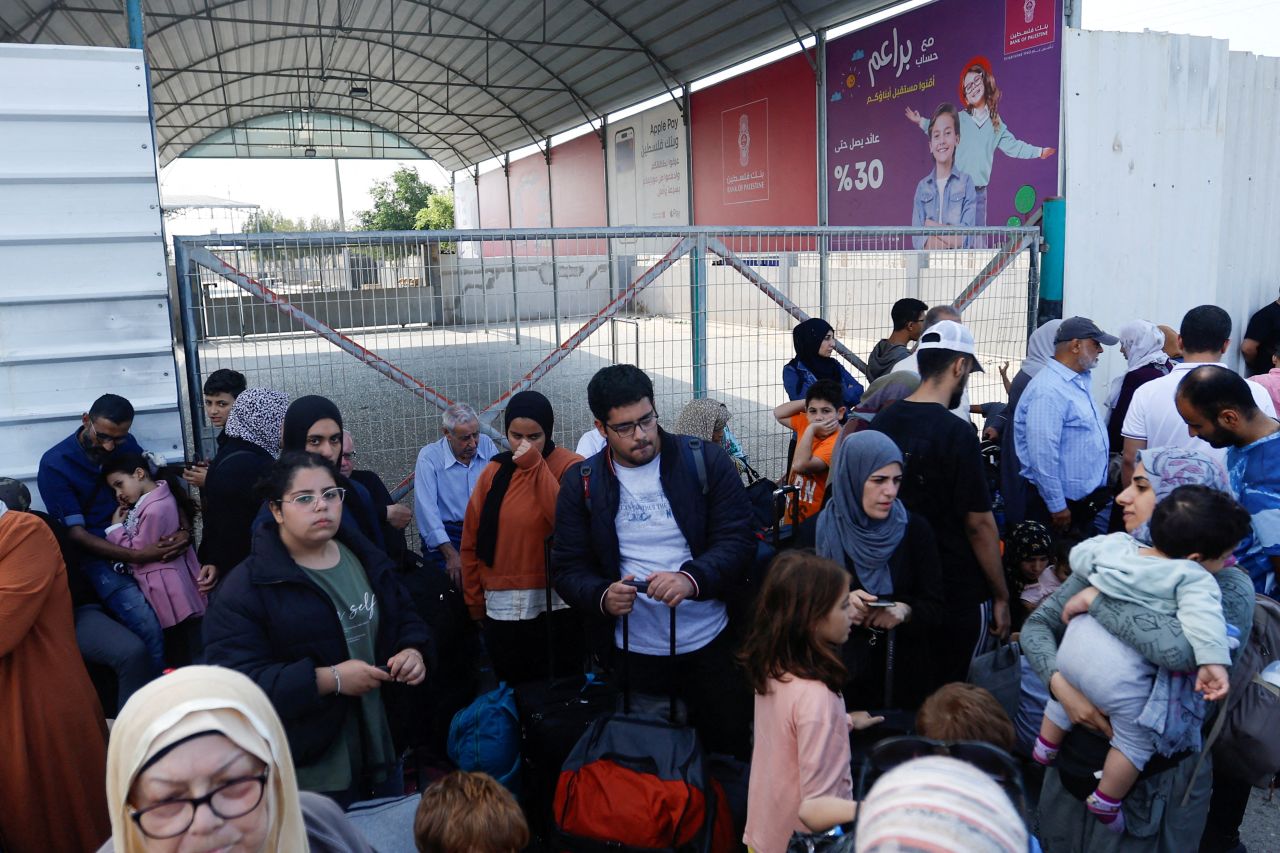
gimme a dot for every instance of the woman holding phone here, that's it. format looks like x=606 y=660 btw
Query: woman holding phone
x=892 y=558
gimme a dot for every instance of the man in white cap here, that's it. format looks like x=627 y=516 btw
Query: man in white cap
x=1060 y=434
x=943 y=481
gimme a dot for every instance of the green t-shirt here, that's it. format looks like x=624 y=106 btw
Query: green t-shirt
x=364 y=751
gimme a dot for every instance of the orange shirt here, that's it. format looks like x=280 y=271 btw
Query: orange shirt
x=527 y=518
x=812 y=487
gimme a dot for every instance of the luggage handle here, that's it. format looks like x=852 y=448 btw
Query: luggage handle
x=780 y=502
x=626 y=666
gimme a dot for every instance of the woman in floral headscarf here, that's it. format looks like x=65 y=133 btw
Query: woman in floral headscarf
x=253 y=433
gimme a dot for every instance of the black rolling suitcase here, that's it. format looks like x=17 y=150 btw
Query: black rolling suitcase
x=554 y=712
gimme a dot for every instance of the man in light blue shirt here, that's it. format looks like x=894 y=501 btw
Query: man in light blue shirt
x=1060 y=436
x=444 y=477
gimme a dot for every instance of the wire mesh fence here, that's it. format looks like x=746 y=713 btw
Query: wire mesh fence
x=395 y=326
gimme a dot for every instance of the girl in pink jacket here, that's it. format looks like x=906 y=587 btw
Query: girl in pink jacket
x=149 y=511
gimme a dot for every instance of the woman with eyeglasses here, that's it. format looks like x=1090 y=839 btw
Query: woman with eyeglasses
x=317 y=617
x=1156 y=820
x=199 y=761
x=504 y=569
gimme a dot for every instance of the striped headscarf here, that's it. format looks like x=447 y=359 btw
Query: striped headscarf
x=939 y=803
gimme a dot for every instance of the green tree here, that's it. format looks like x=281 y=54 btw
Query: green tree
x=275 y=222
x=437 y=215
x=269 y=222
x=396 y=201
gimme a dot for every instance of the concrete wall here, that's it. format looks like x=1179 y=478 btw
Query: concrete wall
x=1171 y=181
x=83 y=293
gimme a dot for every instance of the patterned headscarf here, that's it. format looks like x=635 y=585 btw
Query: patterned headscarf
x=702 y=417
x=1170 y=467
x=1027 y=540
x=257 y=416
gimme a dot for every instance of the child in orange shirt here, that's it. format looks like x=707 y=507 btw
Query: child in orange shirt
x=816 y=422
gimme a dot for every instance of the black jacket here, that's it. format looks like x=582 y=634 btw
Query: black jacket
x=230 y=503
x=917 y=582
x=717 y=526
x=275 y=625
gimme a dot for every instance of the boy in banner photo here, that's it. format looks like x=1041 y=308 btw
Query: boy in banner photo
x=945 y=196
x=982 y=131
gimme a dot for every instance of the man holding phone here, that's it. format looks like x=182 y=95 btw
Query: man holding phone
x=650 y=523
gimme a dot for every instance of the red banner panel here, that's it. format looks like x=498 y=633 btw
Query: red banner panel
x=755 y=158
x=577 y=192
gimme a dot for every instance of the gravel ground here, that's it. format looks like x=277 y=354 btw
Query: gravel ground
x=1261 y=829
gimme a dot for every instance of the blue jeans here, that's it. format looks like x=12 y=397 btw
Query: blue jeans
x=124 y=600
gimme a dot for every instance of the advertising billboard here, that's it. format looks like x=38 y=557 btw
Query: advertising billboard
x=946 y=115
x=648 y=169
x=755 y=148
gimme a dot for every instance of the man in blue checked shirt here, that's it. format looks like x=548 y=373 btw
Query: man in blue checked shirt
x=444 y=477
x=1061 y=437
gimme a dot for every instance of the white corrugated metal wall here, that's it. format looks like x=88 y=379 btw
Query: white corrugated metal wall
x=1172 y=179
x=83 y=294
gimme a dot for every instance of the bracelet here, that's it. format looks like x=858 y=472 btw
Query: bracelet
x=338 y=679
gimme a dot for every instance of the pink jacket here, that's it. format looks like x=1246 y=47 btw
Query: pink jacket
x=169 y=587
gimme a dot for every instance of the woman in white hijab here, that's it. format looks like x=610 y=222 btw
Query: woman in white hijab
x=198 y=760
x=1142 y=344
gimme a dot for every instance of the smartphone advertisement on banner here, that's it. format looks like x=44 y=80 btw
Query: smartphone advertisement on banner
x=648 y=171
x=947 y=115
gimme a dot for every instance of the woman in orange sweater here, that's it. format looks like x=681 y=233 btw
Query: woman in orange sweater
x=504 y=573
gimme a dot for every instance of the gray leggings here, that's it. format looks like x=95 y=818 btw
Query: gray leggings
x=1115 y=678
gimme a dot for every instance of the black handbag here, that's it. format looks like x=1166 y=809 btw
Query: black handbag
x=804 y=842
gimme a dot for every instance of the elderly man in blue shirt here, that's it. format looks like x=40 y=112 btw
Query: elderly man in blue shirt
x=443 y=480
x=1060 y=436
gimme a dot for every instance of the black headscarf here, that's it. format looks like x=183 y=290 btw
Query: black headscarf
x=302 y=414
x=807 y=338
x=537 y=408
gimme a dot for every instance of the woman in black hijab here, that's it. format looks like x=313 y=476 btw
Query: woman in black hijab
x=814 y=340
x=313 y=424
x=504 y=571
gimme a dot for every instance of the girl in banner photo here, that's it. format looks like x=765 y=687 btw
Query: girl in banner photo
x=982 y=131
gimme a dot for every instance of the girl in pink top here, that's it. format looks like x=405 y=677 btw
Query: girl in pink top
x=792 y=658
x=149 y=510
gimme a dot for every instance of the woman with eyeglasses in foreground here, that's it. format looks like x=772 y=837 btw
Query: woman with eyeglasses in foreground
x=792 y=657
x=199 y=761
x=317 y=617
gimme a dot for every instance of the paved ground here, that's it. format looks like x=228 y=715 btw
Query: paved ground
x=1261 y=829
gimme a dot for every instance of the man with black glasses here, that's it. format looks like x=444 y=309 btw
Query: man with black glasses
x=76 y=497
x=666 y=511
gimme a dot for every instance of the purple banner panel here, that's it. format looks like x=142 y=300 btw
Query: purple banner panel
x=946 y=115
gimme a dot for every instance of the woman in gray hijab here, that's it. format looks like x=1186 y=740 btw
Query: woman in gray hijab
x=896 y=580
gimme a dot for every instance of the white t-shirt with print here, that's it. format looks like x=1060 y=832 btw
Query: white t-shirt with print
x=649 y=540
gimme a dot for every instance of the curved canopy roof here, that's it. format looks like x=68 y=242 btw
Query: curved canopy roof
x=460 y=80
